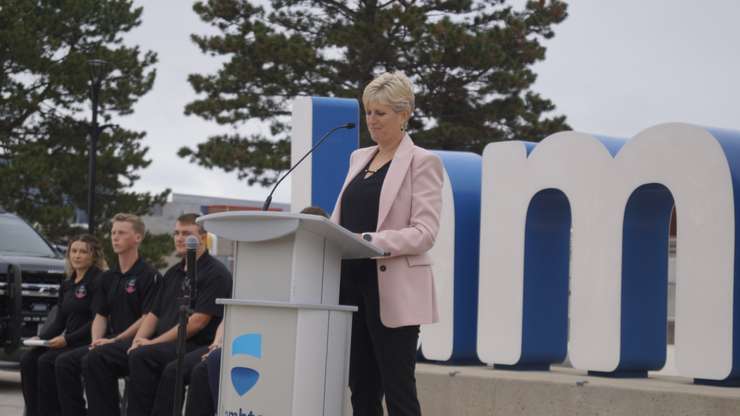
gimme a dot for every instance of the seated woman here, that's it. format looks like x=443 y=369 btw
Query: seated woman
x=70 y=327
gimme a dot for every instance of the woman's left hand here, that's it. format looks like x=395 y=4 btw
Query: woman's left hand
x=57 y=342
x=211 y=348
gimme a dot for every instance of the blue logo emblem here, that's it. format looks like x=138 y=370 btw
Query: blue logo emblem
x=243 y=378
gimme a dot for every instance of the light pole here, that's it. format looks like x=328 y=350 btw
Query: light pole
x=98 y=72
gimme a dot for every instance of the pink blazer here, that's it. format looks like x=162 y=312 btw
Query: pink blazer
x=408 y=221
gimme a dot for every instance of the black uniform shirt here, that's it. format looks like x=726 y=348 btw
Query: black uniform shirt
x=74 y=312
x=214 y=281
x=125 y=297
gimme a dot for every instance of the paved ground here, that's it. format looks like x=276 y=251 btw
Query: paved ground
x=471 y=390
x=11 y=399
x=481 y=391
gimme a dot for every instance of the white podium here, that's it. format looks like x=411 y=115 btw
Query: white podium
x=286 y=339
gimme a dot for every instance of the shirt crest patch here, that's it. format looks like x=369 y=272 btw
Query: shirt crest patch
x=81 y=292
x=131 y=286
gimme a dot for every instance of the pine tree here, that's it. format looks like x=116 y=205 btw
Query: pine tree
x=45 y=48
x=469 y=60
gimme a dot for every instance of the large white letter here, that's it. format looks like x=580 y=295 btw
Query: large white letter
x=615 y=192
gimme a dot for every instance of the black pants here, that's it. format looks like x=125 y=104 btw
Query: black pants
x=104 y=365
x=200 y=394
x=165 y=399
x=69 y=381
x=101 y=369
x=38 y=381
x=382 y=359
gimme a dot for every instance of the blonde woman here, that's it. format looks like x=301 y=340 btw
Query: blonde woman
x=392 y=196
x=70 y=328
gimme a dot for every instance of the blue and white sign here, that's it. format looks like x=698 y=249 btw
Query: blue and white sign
x=318 y=180
x=571 y=251
x=620 y=195
x=455 y=266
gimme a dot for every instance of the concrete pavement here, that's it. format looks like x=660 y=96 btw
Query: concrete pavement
x=11 y=398
x=481 y=391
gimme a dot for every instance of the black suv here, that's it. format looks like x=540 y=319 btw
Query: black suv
x=30 y=275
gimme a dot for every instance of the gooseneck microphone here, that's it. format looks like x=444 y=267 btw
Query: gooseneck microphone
x=348 y=126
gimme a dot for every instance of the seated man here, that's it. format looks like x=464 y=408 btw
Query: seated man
x=202 y=403
x=203 y=378
x=154 y=345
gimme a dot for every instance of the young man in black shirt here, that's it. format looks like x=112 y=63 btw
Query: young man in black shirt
x=124 y=293
x=154 y=346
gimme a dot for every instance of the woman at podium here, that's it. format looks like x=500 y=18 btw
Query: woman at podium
x=392 y=196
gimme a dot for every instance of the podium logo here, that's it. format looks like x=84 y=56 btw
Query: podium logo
x=244 y=378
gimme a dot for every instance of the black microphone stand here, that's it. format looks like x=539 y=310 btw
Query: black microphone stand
x=187 y=300
x=268 y=201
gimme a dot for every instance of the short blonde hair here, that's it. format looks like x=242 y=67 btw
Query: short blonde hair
x=134 y=220
x=393 y=89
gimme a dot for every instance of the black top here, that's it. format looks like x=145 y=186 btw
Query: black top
x=359 y=214
x=74 y=313
x=360 y=201
x=214 y=281
x=125 y=297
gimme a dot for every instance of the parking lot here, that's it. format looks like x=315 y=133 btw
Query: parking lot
x=11 y=398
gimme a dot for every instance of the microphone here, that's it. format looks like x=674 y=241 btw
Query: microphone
x=191 y=243
x=348 y=126
x=187 y=303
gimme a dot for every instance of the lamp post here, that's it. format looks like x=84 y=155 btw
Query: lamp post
x=98 y=71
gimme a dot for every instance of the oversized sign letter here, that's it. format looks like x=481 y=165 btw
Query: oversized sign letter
x=320 y=177
x=455 y=267
x=620 y=196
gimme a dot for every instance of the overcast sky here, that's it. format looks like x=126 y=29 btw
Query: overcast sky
x=613 y=68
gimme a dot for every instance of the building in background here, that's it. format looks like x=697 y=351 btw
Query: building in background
x=163 y=217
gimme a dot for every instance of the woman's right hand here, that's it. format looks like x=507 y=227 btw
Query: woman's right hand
x=100 y=341
x=57 y=342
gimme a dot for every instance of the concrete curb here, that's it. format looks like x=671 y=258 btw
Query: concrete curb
x=479 y=391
